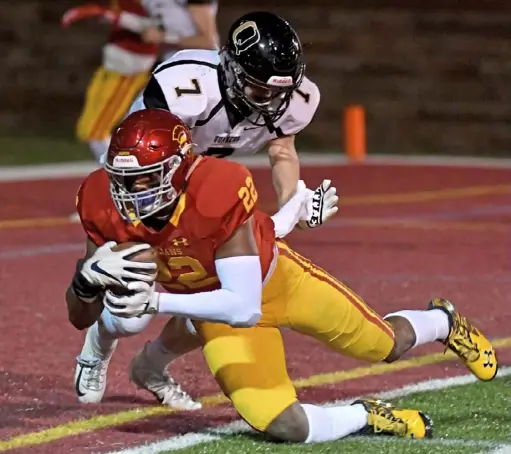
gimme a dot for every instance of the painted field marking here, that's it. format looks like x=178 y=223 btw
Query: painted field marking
x=353 y=200
x=501 y=449
x=476 y=226
x=82 y=168
x=94 y=423
x=209 y=435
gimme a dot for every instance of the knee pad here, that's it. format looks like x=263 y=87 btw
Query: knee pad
x=260 y=408
x=124 y=327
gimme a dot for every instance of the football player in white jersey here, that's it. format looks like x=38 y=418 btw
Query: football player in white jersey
x=252 y=93
x=185 y=24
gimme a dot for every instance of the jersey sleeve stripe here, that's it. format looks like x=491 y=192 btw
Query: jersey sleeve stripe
x=184 y=62
x=154 y=97
x=213 y=112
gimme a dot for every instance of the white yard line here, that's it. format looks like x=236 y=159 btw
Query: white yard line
x=502 y=449
x=81 y=169
x=214 y=434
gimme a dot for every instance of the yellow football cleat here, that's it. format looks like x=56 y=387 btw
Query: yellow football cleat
x=385 y=419
x=468 y=343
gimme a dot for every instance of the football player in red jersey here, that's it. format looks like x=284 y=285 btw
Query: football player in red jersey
x=226 y=273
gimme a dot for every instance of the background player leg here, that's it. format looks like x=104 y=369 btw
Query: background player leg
x=148 y=368
x=99 y=345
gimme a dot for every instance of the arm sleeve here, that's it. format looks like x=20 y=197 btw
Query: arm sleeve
x=237 y=302
x=133 y=22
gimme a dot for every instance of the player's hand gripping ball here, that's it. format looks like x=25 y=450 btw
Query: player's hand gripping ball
x=145 y=256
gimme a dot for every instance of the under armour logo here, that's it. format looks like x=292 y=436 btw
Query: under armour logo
x=489 y=355
x=180 y=242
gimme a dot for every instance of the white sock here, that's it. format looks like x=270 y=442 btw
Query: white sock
x=429 y=326
x=158 y=355
x=334 y=423
x=99 y=344
x=99 y=148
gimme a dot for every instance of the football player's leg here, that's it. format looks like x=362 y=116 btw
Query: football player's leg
x=342 y=320
x=99 y=345
x=148 y=368
x=249 y=365
x=107 y=99
x=322 y=307
x=442 y=322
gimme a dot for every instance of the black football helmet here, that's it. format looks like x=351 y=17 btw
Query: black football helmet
x=261 y=66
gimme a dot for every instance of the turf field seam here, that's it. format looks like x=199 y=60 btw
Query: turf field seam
x=214 y=434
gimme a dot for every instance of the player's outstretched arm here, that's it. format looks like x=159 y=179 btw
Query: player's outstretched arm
x=285 y=167
x=237 y=302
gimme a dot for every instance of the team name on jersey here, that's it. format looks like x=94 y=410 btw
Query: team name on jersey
x=222 y=139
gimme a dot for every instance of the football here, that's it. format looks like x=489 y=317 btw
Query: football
x=148 y=255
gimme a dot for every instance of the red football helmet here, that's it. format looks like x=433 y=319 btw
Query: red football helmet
x=148 y=159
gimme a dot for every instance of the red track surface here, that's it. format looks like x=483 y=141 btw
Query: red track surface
x=462 y=252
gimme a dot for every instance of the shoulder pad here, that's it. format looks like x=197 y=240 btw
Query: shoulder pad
x=224 y=186
x=183 y=87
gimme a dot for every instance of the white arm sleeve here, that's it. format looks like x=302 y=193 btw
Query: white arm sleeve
x=237 y=303
x=133 y=22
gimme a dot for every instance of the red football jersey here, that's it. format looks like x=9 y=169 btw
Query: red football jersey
x=219 y=198
x=126 y=39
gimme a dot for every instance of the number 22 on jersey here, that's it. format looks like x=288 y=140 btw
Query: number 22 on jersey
x=183 y=273
x=248 y=194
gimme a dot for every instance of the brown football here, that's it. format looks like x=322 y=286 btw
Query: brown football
x=148 y=255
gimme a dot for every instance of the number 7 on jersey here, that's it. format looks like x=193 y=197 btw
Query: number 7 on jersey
x=194 y=89
x=248 y=194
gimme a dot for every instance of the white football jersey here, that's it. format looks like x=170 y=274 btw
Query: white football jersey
x=187 y=85
x=174 y=16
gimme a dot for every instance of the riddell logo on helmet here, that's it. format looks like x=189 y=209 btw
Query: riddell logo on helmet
x=123 y=161
x=277 y=81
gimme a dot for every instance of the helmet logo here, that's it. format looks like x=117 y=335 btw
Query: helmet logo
x=179 y=135
x=245 y=36
x=280 y=81
x=125 y=161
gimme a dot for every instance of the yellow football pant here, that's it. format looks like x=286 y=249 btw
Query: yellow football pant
x=249 y=363
x=108 y=98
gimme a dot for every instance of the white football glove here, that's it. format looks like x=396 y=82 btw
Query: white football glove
x=143 y=300
x=321 y=205
x=112 y=268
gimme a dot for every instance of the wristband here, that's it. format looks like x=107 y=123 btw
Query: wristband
x=82 y=288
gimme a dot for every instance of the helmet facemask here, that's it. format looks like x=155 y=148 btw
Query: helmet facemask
x=269 y=99
x=139 y=192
